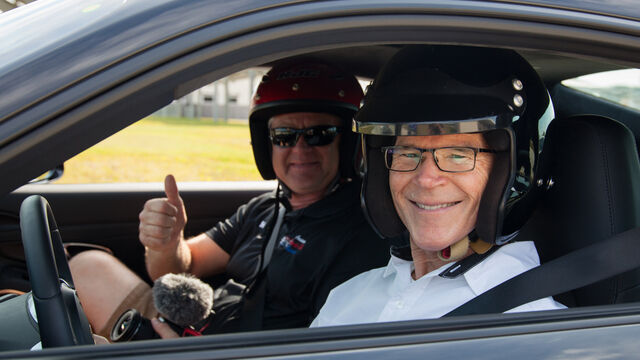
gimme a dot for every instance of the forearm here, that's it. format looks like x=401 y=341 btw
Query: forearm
x=199 y=255
x=207 y=257
x=177 y=260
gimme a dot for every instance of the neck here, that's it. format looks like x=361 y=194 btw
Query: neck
x=300 y=201
x=425 y=261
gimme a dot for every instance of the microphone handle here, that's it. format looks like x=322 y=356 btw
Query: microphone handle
x=180 y=330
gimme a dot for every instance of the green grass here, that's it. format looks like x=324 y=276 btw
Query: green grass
x=191 y=149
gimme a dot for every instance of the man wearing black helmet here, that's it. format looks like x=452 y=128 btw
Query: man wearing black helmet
x=451 y=139
x=299 y=131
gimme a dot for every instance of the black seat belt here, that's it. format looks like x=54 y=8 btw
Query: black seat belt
x=254 y=294
x=579 y=268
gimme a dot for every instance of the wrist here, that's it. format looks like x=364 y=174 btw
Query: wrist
x=160 y=262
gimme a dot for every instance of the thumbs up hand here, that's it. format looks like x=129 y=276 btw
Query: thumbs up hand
x=162 y=220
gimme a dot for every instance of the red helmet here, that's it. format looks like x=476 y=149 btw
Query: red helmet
x=303 y=87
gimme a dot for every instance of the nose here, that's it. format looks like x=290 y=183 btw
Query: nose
x=301 y=145
x=428 y=174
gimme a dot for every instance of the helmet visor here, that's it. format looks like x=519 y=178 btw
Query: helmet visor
x=427 y=128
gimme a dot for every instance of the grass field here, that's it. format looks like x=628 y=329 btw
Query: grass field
x=191 y=149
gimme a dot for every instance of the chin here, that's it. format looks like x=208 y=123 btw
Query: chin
x=304 y=190
x=429 y=242
x=435 y=241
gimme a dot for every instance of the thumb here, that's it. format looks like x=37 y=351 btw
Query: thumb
x=171 y=189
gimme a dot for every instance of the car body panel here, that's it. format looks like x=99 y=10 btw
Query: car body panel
x=132 y=57
x=92 y=37
x=572 y=335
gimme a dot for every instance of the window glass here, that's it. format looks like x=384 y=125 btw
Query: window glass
x=620 y=86
x=203 y=136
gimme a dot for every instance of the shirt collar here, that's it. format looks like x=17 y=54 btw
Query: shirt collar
x=508 y=261
x=402 y=267
x=394 y=264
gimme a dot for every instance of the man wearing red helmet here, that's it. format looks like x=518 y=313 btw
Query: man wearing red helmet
x=299 y=122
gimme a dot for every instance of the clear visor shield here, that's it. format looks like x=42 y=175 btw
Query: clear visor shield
x=427 y=128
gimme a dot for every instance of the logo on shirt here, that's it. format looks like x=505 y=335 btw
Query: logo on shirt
x=292 y=245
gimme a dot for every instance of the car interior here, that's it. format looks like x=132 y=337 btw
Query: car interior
x=590 y=190
x=595 y=172
x=588 y=252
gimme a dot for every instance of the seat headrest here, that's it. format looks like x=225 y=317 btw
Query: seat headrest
x=593 y=164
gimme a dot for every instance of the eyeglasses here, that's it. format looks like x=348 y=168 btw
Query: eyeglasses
x=449 y=159
x=314 y=136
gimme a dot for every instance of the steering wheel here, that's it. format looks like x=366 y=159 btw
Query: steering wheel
x=61 y=320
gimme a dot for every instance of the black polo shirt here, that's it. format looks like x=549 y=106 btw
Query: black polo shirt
x=317 y=248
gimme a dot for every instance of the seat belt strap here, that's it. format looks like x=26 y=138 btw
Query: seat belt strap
x=268 y=251
x=579 y=268
x=267 y=247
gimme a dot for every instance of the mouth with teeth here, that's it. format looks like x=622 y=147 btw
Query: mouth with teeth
x=435 y=207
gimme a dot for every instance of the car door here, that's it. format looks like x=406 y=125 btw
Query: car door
x=296 y=28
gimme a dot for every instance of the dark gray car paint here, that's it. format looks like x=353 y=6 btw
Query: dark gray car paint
x=577 y=333
x=62 y=110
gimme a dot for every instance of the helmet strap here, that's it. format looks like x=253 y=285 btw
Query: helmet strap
x=286 y=192
x=480 y=246
x=459 y=249
x=456 y=251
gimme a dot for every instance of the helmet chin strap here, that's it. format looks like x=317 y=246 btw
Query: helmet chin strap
x=460 y=249
x=286 y=192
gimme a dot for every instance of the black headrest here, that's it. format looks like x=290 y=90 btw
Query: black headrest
x=591 y=167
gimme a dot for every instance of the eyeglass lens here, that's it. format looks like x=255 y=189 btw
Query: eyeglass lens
x=450 y=159
x=313 y=136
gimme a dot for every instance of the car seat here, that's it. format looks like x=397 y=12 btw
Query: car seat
x=591 y=174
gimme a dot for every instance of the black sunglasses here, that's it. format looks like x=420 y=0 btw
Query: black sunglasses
x=314 y=136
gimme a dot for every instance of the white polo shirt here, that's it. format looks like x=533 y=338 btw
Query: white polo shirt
x=391 y=294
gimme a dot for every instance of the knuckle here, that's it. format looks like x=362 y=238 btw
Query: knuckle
x=149 y=203
x=169 y=208
x=143 y=239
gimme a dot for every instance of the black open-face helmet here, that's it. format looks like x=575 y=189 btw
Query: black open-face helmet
x=304 y=86
x=438 y=90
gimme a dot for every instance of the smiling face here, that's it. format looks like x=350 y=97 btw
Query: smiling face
x=306 y=170
x=439 y=208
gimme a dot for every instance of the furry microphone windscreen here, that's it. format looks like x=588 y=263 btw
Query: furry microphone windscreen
x=182 y=298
